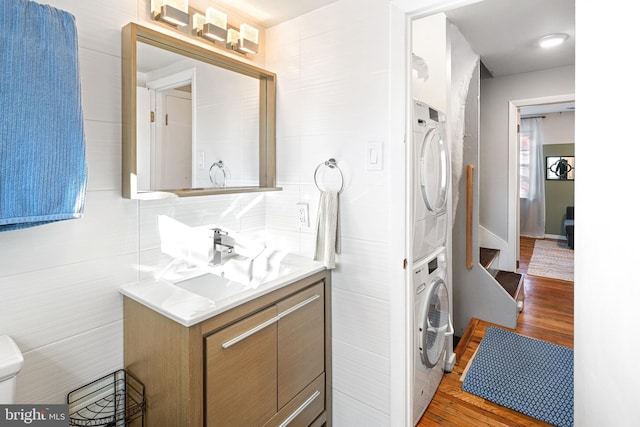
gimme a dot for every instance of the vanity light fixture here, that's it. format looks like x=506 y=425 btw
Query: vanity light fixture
x=215 y=26
x=248 y=39
x=551 y=40
x=233 y=39
x=198 y=21
x=174 y=12
x=211 y=25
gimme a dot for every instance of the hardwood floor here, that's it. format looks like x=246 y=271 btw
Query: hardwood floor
x=547 y=315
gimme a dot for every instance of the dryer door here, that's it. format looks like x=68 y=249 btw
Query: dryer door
x=434 y=170
x=435 y=323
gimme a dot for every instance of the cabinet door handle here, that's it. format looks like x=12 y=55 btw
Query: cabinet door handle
x=250 y=332
x=301 y=408
x=269 y=322
x=298 y=306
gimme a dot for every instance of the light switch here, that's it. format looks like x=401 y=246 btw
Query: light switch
x=374 y=156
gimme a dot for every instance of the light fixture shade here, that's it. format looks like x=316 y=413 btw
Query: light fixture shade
x=215 y=27
x=198 y=22
x=233 y=39
x=248 y=39
x=217 y=18
x=175 y=12
x=551 y=40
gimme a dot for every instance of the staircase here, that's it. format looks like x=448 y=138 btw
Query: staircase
x=512 y=283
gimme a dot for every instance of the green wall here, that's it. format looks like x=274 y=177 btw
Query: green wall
x=558 y=194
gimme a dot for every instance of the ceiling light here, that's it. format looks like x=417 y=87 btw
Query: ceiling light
x=552 y=40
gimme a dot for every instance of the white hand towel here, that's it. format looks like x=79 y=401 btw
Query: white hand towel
x=328 y=229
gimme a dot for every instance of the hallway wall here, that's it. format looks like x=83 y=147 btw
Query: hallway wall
x=495 y=93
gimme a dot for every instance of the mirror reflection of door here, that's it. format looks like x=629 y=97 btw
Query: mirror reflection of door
x=164 y=129
x=173 y=153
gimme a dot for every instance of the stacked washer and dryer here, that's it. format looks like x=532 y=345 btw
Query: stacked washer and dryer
x=431 y=314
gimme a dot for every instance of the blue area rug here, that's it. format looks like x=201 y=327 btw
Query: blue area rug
x=527 y=375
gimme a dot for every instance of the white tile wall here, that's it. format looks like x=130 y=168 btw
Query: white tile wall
x=69 y=300
x=333 y=66
x=361 y=321
x=104 y=154
x=362 y=375
x=348 y=412
x=99 y=24
x=108 y=228
x=363 y=269
x=54 y=370
x=100 y=80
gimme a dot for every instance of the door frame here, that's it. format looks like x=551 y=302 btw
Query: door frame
x=513 y=231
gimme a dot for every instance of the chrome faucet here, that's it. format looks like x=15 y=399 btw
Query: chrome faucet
x=219 y=247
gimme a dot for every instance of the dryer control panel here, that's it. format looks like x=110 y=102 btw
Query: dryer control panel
x=433 y=265
x=437 y=262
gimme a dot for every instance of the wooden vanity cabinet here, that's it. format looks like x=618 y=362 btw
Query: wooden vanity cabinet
x=241 y=377
x=264 y=363
x=257 y=365
x=300 y=342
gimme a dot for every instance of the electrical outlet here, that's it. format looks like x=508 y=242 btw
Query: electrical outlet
x=302 y=215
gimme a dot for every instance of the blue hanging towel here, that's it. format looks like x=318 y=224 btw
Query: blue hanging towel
x=43 y=169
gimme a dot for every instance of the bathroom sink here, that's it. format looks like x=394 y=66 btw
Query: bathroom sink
x=238 y=274
x=191 y=295
x=212 y=287
x=236 y=277
x=189 y=289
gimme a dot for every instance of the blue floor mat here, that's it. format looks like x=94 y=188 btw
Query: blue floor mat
x=527 y=375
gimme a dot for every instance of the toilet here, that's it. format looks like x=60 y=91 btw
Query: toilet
x=11 y=362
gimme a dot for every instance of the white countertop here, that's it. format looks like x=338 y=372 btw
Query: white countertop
x=201 y=297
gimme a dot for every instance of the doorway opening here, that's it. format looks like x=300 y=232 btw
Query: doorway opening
x=533 y=107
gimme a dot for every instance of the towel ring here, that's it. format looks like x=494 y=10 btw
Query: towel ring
x=218 y=166
x=331 y=164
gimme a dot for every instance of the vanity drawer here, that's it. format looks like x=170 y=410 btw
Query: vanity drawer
x=303 y=409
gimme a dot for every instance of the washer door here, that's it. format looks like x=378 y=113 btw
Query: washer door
x=434 y=170
x=435 y=323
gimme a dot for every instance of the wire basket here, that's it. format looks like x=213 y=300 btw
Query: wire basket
x=113 y=400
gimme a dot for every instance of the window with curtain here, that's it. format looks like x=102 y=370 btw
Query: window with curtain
x=524 y=165
x=532 y=203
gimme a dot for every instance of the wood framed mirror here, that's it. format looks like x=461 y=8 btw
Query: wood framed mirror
x=195 y=122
